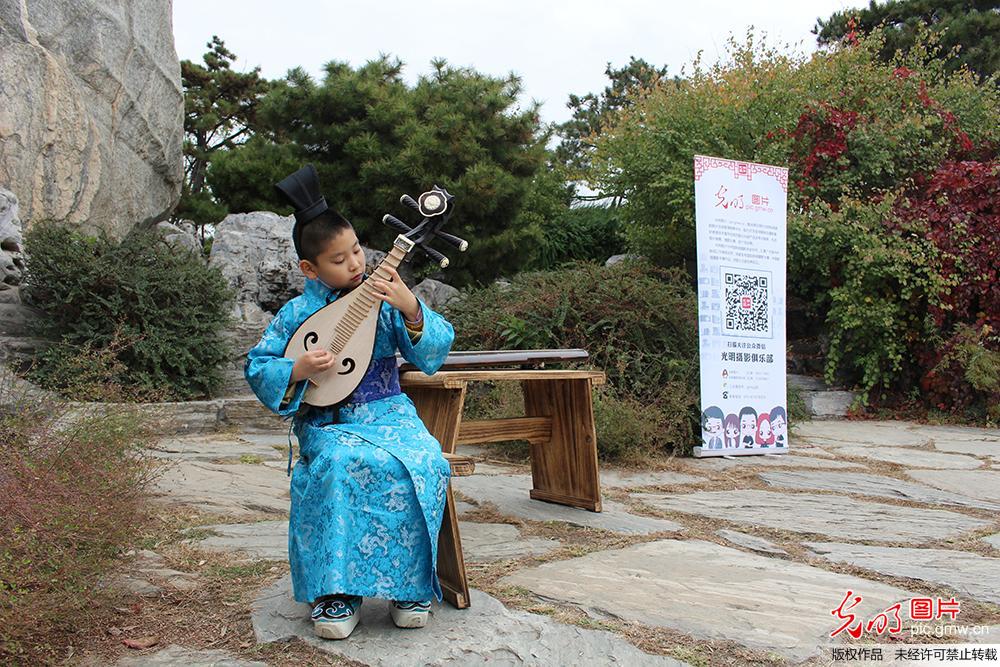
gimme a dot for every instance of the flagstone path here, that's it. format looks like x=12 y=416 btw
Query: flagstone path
x=708 y=562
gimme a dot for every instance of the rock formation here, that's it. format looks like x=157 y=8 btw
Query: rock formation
x=91 y=111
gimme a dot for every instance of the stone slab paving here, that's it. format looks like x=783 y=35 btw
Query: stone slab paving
x=174 y=656
x=768 y=600
x=510 y=494
x=147 y=571
x=971 y=575
x=792 y=460
x=268 y=540
x=752 y=542
x=710 y=592
x=485 y=633
x=462 y=507
x=833 y=516
x=982 y=484
x=617 y=479
x=262 y=540
x=235 y=489
x=213 y=447
x=869 y=485
x=987 y=448
x=957 y=432
x=891 y=434
x=488 y=468
x=485 y=542
x=911 y=457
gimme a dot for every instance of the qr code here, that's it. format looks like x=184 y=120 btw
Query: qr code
x=747 y=311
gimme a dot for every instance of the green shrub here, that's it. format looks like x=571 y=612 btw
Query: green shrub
x=637 y=321
x=134 y=315
x=973 y=355
x=872 y=285
x=584 y=233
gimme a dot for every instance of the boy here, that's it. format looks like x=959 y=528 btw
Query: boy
x=368 y=490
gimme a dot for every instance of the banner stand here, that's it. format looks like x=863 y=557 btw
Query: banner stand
x=740 y=213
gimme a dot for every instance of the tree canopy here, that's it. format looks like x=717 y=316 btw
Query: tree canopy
x=971 y=25
x=220 y=108
x=593 y=111
x=372 y=138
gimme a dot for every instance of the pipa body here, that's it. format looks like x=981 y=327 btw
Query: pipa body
x=336 y=383
x=347 y=329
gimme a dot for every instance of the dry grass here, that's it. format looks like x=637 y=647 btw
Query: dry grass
x=214 y=615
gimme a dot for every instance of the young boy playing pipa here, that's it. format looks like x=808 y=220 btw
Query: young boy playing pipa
x=368 y=490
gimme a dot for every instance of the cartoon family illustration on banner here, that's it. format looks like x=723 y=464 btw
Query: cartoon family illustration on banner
x=747 y=430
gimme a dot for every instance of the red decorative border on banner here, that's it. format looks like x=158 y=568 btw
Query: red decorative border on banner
x=748 y=169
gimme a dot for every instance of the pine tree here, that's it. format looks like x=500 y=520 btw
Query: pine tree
x=971 y=25
x=220 y=107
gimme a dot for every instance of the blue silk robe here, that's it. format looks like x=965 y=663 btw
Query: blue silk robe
x=368 y=490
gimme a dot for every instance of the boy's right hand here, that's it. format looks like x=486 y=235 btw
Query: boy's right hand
x=312 y=363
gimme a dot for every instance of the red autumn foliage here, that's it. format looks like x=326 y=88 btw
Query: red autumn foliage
x=960 y=203
x=960 y=207
x=821 y=138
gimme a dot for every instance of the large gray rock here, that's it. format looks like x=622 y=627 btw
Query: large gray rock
x=486 y=633
x=247 y=324
x=16 y=319
x=180 y=236
x=91 y=113
x=11 y=243
x=435 y=293
x=830 y=515
x=971 y=575
x=255 y=254
x=709 y=591
x=828 y=403
x=616 y=259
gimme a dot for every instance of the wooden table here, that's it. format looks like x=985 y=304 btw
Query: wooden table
x=558 y=423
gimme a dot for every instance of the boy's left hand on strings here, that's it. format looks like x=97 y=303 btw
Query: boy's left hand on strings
x=395 y=292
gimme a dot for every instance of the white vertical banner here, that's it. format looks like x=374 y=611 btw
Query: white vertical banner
x=740 y=211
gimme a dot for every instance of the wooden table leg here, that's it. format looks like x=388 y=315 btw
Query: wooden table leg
x=564 y=470
x=440 y=408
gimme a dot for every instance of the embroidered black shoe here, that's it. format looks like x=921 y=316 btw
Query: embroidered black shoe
x=410 y=614
x=335 y=616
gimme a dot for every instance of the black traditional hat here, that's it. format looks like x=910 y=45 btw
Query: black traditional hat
x=302 y=190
